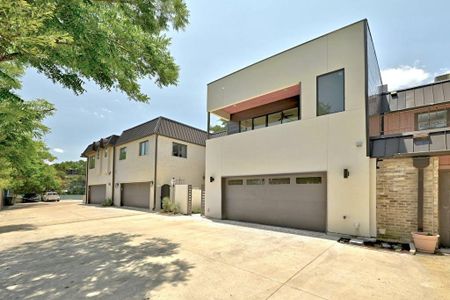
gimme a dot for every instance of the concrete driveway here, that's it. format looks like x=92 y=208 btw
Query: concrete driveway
x=68 y=250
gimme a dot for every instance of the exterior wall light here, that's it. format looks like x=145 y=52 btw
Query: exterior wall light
x=117 y=185
x=211 y=179
x=346 y=173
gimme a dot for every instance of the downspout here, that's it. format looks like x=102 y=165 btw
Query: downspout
x=155 y=172
x=86 y=184
x=420 y=163
x=113 y=173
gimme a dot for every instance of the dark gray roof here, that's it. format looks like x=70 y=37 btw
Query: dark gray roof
x=165 y=127
x=102 y=143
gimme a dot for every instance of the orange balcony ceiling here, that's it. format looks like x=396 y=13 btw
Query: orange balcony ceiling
x=285 y=93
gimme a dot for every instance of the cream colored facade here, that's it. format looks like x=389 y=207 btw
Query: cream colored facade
x=102 y=173
x=328 y=143
x=137 y=168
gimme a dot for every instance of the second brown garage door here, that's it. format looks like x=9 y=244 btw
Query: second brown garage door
x=97 y=194
x=136 y=194
x=297 y=201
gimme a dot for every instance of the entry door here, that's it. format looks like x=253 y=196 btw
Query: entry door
x=444 y=207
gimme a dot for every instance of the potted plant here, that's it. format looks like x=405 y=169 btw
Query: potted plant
x=425 y=242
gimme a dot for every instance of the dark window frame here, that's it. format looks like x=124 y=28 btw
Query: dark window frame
x=416 y=119
x=147 y=147
x=92 y=162
x=343 y=91
x=267 y=117
x=179 y=147
x=123 y=153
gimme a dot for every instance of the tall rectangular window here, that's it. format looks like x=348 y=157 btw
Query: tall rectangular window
x=92 y=162
x=179 y=150
x=245 y=125
x=143 y=148
x=123 y=153
x=330 y=93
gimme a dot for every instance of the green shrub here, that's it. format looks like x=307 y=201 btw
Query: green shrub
x=107 y=202
x=169 y=206
x=197 y=211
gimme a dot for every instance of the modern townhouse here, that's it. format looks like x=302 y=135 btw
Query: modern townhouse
x=308 y=143
x=144 y=161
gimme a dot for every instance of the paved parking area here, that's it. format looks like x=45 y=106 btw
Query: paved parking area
x=68 y=250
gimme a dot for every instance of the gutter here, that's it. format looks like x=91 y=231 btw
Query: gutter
x=155 y=172
x=113 y=174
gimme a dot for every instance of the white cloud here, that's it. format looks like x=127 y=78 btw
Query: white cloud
x=106 y=110
x=404 y=76
x=99 y=115
x=58 y=150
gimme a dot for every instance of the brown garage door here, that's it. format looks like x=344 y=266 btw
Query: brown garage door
x=136 y=194
x=97 y=194
x=297 y=201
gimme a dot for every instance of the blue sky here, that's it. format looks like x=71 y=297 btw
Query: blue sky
x=411 y=40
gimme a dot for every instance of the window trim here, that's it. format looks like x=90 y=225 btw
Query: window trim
x=317 y=91
x=180 y=144
x=91 y=158
x=267 y=118
x=120 y=153
x=416 y=119
x=147 y=147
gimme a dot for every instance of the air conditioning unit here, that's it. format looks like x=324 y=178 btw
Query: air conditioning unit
x=442 y=77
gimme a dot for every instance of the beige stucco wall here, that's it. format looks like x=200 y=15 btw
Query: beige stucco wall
x=326 y=143
x=102 y=173
x=135 y=168
x=188 y=170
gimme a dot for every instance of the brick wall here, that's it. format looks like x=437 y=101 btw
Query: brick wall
x=397 y=198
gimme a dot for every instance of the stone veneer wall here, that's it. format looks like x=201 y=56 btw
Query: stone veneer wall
x=397 y=198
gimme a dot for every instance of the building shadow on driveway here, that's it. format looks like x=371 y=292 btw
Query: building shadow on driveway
x=16 y=227
x=74 y=267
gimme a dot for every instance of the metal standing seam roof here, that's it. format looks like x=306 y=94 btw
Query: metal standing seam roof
x=102 y=143
x=164 y=127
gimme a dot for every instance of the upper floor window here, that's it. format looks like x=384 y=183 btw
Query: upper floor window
x=98 y=154
x=179 y=150
x=330 y=93
x=143 y=148
x=106 y=153
x=92 y=162
x=431 y=120
x=123 y=153
x=271 y=119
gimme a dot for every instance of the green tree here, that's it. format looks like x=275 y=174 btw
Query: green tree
x=35 y=174
x=72 y=176
x=111 y=42
x=219 y=127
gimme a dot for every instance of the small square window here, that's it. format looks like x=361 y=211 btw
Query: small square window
x=235 y=182
x=274 y=119
x=255 y=181
x=245 y=125
x=308 y=180
x=106 y=153
x=179 y=150
x=259 y=122
x=286 y=180
x=290 y=115
x=143 y=148
x=123 y=153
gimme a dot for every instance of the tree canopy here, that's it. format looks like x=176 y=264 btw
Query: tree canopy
x=111 y=42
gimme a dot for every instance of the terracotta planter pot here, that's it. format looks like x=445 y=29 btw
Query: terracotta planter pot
x=424 y=242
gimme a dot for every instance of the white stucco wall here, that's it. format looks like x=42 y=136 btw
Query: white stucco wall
x=188 y=170
x=102 y=173
x=326 y=143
